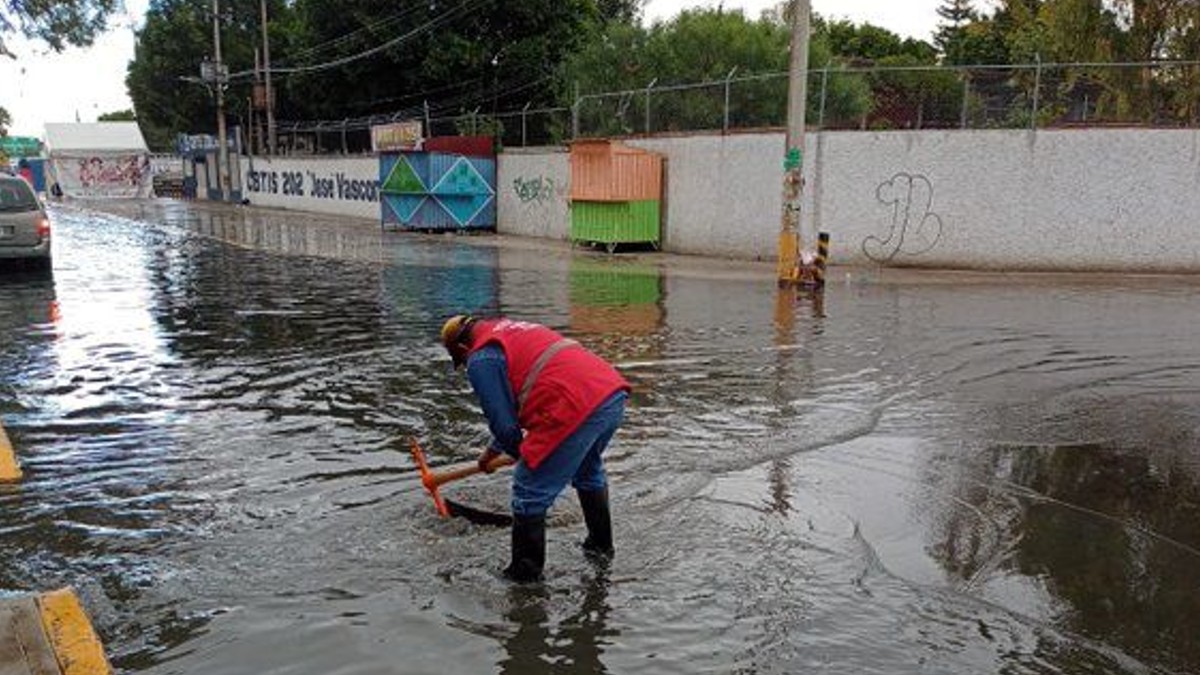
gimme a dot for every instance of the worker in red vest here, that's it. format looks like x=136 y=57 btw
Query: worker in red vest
x=554 y=406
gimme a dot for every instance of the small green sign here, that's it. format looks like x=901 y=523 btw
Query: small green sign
x=20 y=146
x=792 y=161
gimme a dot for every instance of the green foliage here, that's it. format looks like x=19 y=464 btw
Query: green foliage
x=482 y=58
x=161 y=78
x=5 y=122
x=702 y=45
x=459 y=55
x=866 y=42
x=118 y=116
x=58 y=24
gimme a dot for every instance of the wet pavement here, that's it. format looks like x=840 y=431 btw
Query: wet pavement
x=921 y=472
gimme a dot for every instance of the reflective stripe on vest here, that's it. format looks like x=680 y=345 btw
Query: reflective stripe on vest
x=536 y=369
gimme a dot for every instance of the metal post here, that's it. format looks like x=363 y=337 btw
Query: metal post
x=253 y=122
x=648 y=88
x=1037 y=90
x=345 y=150
x=790 y=242
x=222 y=144
x=428 y=122
x=575 y=113
x=256 y=149
x=728 y=79
x=824 y=96
x=523 y=113
x=966 y=102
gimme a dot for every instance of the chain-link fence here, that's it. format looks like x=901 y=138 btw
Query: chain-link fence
x=1034 y=96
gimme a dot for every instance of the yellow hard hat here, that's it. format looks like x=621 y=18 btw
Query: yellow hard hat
x=452 y=329
x=452 y=332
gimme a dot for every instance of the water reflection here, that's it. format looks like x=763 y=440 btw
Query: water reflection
x=574 y=644
x=1099 y=537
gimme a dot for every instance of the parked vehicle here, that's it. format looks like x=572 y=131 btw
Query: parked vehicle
x=24 y=225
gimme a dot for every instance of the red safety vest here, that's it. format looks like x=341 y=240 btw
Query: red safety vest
x=568 y=382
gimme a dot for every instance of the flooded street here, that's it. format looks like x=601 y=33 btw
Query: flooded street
x=923 y=473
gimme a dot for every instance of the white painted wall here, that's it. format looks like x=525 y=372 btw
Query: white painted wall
x=532 y=186
x=1094 y=199
x=338 y=186
x=723 y=193
x=1088 y=199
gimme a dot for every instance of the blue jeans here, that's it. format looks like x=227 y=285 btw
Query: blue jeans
x=576 y=460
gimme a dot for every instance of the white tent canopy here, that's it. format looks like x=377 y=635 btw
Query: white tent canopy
x=74 y=139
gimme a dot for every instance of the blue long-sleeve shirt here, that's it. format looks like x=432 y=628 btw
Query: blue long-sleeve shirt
x=487 y=369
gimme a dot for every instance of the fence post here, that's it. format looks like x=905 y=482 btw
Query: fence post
x=475 y=121
x=1037 y=90
x=728 y=79
x=824 y=93
x=524 y=111
x=966 y=102
x=428 y=122
x=575 y=113
x=345 y=149
x=648 y=88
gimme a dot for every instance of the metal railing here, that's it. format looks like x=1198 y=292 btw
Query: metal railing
x=870 y=97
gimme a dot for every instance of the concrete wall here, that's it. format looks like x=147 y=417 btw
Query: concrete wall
x=1096 y=199
x=531 y=188
x=723 y=193
x=338 y=186
x=1090 y=199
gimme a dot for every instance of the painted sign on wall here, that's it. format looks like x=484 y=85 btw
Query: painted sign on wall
x=437 y=191
x=335 y=186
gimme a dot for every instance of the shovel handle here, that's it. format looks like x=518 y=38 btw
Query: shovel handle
x=443 y=477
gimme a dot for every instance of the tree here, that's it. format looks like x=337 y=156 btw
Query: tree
x=701 y=45
x=867 y=42
x=58 y=24
x=956 y=15
x=168 y=50
x=5 y=121
x=118 y=116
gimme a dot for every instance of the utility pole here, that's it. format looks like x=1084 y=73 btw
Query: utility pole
x=267 y=73
x=222 y=145
x=792 y=258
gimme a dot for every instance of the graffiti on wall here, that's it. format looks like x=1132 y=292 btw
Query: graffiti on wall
x=538 y=189
x=915 y=228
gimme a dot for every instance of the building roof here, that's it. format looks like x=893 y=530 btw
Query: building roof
x=73 y=138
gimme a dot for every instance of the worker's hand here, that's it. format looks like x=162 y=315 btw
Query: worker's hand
x=485 y=459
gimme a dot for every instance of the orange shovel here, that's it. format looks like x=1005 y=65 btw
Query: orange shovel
x=432 y=481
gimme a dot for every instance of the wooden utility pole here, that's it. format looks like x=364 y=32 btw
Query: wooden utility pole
x=267 y=73
x=222 y=145
x=792 y=261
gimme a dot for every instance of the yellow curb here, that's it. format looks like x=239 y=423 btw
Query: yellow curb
x=10 y=470
x=70 y=632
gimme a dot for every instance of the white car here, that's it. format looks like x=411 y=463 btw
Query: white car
x=24 y=225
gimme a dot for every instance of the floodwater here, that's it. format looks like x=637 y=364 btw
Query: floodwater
x=928 y=473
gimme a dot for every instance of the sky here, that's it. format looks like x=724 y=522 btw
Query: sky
x=41 y=86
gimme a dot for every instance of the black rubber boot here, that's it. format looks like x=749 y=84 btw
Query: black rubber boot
x=528 y=549
x=599 y=542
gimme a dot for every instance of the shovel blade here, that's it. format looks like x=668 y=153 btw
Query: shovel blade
x=478 y=516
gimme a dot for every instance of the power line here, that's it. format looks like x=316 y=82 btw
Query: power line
x=349 y=37
x=423 y=28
